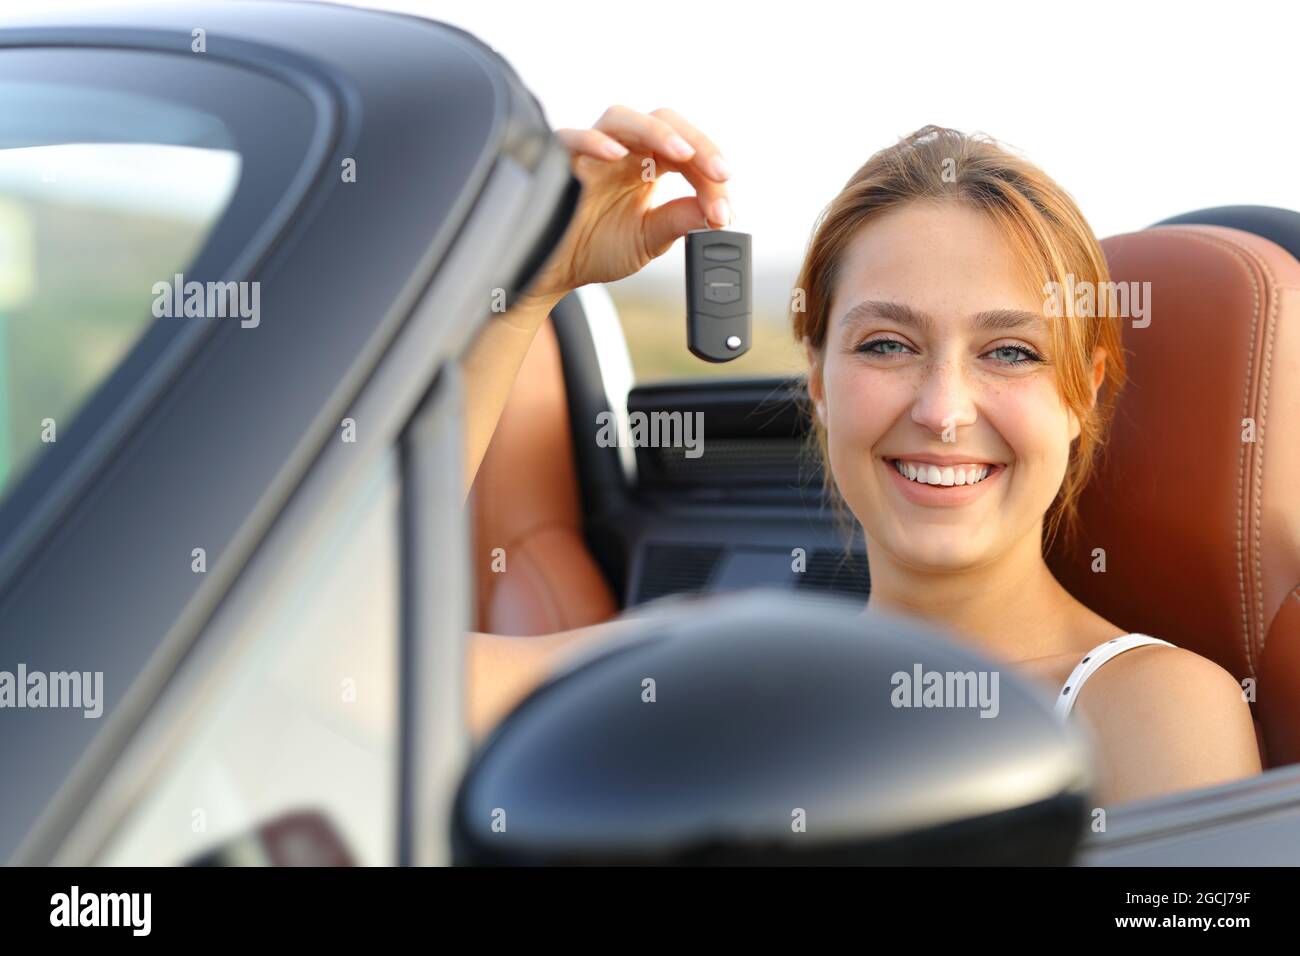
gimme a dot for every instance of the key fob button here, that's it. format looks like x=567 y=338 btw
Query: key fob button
x=722 y=285
x=722 y=252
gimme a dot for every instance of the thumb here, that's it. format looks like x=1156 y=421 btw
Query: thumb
x=664 y=224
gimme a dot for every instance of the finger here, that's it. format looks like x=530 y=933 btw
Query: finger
x=646 y=133
x=708 y=158
x=711 y=197
x=591 y=142
x=665 y=224
x=656 y=135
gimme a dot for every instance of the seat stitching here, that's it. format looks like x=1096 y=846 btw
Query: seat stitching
x=1266 y=372
x=1266 y=368
x=1241 y=254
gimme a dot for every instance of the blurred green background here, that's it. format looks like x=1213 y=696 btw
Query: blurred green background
x=654 y=321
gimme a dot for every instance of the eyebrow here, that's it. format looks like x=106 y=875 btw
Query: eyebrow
x=991 y=320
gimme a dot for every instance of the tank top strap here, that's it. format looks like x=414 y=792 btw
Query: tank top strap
x=1093 y=660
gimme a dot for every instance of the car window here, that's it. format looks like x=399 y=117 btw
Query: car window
x=103 y=193
x=303 y=725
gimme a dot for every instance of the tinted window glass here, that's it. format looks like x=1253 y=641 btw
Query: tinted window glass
x=102 y=194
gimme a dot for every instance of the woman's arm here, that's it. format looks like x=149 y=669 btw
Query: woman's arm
x=489 y=368
x=614 y=233
x=503 y=670
x=1167 y=719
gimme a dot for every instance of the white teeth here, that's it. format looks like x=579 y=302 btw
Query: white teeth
x=949 y=475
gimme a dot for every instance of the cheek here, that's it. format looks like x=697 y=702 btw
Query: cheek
x=862 y=404
x=1034 y=423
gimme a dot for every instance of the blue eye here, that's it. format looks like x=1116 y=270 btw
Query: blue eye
x=1004 y=354
x=870 y=347
x=1025 y=355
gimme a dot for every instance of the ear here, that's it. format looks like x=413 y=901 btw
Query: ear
x=816 y=387
x=1098 y=376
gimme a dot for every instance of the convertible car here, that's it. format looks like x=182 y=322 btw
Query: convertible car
x=247 y=523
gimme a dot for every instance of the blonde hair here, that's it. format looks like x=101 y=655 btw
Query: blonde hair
x=1044 y=227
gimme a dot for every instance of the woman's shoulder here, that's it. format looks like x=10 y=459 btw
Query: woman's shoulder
x=1168 y=692
x=1168 y=719
x=1153 y=663
x=1140 y=673
x=1177 y=672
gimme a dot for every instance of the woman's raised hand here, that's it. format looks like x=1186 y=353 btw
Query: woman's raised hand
x=615 y=231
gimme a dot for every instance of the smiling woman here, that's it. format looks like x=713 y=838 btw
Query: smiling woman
x=960 y=415
x=958 y=410
x=967 y=205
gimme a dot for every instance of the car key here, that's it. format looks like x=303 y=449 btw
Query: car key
x=717 y=294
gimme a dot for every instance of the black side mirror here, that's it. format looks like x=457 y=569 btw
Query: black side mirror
x=765 y=728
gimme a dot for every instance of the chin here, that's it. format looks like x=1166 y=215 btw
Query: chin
x=933 y=548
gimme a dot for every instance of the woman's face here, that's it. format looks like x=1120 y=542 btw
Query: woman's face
x=936 y=357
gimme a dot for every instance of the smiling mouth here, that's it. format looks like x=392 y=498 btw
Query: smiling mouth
x=944 y=476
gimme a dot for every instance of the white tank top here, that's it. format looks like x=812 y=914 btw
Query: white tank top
x=1092 y=661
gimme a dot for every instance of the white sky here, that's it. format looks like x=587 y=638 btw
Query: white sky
x=1141 y=110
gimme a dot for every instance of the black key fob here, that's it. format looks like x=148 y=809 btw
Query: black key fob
x=717 y=294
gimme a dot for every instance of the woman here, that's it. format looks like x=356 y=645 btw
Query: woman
x=957 y=411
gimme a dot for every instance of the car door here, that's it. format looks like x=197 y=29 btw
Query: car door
x=245 y=528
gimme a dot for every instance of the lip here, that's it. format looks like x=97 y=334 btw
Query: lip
x=942 y=460
x=941 y=496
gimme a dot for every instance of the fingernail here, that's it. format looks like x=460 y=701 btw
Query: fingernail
x=720 y=169
x=614 y=150
x=680 y=148
x=722 y=212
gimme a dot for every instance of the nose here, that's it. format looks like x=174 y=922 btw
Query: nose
x=943 y=400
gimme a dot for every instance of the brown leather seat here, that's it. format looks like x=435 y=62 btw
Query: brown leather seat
x=1201 y=528
x=525 y=502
